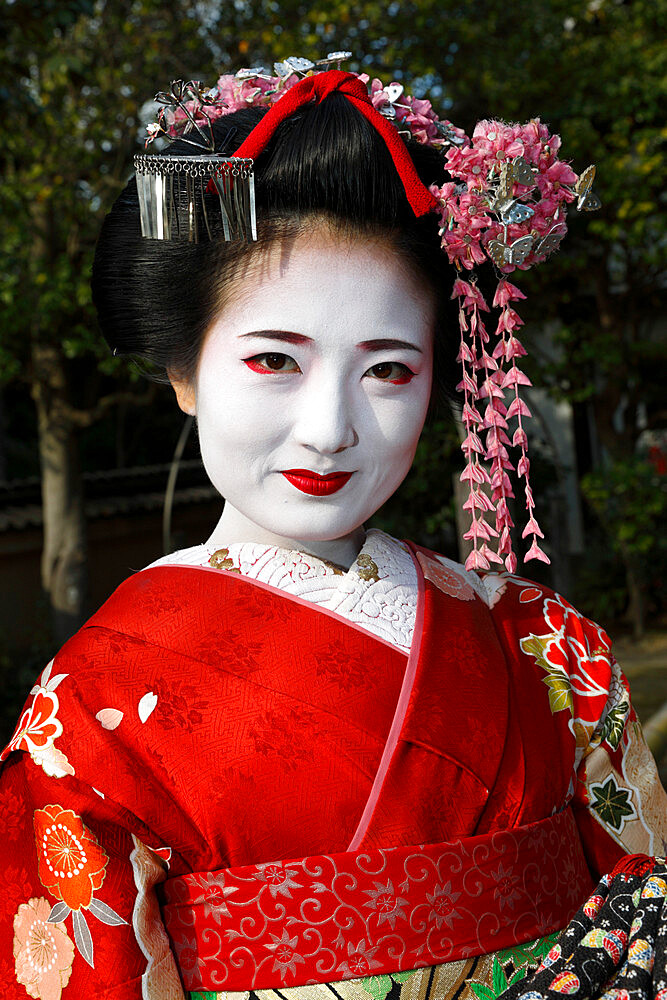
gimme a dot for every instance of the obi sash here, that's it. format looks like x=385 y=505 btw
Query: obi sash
x=343 y=916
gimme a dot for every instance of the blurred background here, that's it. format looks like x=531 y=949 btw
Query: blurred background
x=87 y=444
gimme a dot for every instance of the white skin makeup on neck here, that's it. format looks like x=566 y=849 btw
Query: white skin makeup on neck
x=311 y=393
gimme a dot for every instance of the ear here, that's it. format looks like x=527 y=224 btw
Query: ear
x=185 y=394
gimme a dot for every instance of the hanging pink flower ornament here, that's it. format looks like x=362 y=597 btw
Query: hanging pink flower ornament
x=511 y=179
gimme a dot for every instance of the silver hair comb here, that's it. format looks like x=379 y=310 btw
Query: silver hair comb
x=172 y=189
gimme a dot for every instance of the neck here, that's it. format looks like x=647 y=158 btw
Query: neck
x=234 y=527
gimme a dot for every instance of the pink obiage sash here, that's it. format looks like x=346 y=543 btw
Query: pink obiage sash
x=343 y=916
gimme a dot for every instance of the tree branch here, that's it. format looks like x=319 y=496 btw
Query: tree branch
x=85 y=418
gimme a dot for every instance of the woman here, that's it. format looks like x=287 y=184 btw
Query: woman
x=219 y=782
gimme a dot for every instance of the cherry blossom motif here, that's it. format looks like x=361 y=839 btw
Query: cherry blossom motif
x=278 y=878
x=48 y=679
x=360 y=961
x=146 y=705
x=109 y=718
x=446 y=579
x=442 y=900
x=506 y=891
x=36 y=732
x=214 y=895
x=386 y=903
x=529 y=594
x=43 y=951
x=39 y=727
x=286 y=957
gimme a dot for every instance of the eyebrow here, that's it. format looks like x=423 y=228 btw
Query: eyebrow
x=388 y=344
x=284 y=335
x=379 y=344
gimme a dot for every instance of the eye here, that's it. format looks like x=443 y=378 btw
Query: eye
x=391 y=371
x=278 y=363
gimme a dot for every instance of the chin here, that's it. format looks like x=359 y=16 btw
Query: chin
x=307 y=532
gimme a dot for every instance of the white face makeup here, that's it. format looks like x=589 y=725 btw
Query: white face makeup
x=311 y=393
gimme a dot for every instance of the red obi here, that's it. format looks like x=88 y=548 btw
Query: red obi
x=342 y=916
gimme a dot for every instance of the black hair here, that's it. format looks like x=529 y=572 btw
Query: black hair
x=156 y=299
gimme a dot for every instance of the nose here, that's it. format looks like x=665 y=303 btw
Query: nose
x=324 y=422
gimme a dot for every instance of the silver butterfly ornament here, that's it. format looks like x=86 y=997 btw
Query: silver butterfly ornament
x=509 y=253
x=587 y=200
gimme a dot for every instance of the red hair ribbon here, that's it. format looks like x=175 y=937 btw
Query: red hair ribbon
x=318 y=87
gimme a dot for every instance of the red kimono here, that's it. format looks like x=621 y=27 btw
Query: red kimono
x=217 y=786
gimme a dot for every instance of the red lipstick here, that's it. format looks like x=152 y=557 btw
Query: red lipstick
x=314 y=484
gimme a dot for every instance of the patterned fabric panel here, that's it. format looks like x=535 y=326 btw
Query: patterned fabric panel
x=374 y=911
x=480 y=978
x=615 y=948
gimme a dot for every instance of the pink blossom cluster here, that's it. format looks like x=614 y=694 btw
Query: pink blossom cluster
x=467 y=226
x=417 y=113
x=486 y=376
x=473 y=213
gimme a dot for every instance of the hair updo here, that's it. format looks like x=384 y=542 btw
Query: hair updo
x=156 y=299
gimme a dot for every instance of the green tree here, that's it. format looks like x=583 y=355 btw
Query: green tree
x=74 y=78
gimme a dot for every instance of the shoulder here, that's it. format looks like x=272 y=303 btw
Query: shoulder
x=451 y=577
x=515 y=602
x=195 y=555
x=570 y=654
x=537 y=627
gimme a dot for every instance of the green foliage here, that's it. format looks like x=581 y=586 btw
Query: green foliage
x=630 y=498
x=600 y=588
x=76 y=78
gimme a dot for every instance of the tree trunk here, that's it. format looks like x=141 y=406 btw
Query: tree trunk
x=64 y=554
x=635 y=585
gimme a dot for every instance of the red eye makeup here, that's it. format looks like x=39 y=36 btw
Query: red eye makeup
x=272 y=363
x=391 y=371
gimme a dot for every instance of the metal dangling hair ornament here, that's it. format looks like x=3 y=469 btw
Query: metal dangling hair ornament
x=171 y=189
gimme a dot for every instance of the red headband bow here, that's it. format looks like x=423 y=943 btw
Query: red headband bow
x=317 y=88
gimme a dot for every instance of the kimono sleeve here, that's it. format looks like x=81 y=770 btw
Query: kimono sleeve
x=78 y=917
x=612 y=785
x=619 y=800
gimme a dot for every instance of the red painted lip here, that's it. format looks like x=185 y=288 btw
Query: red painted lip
x=314 y=484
